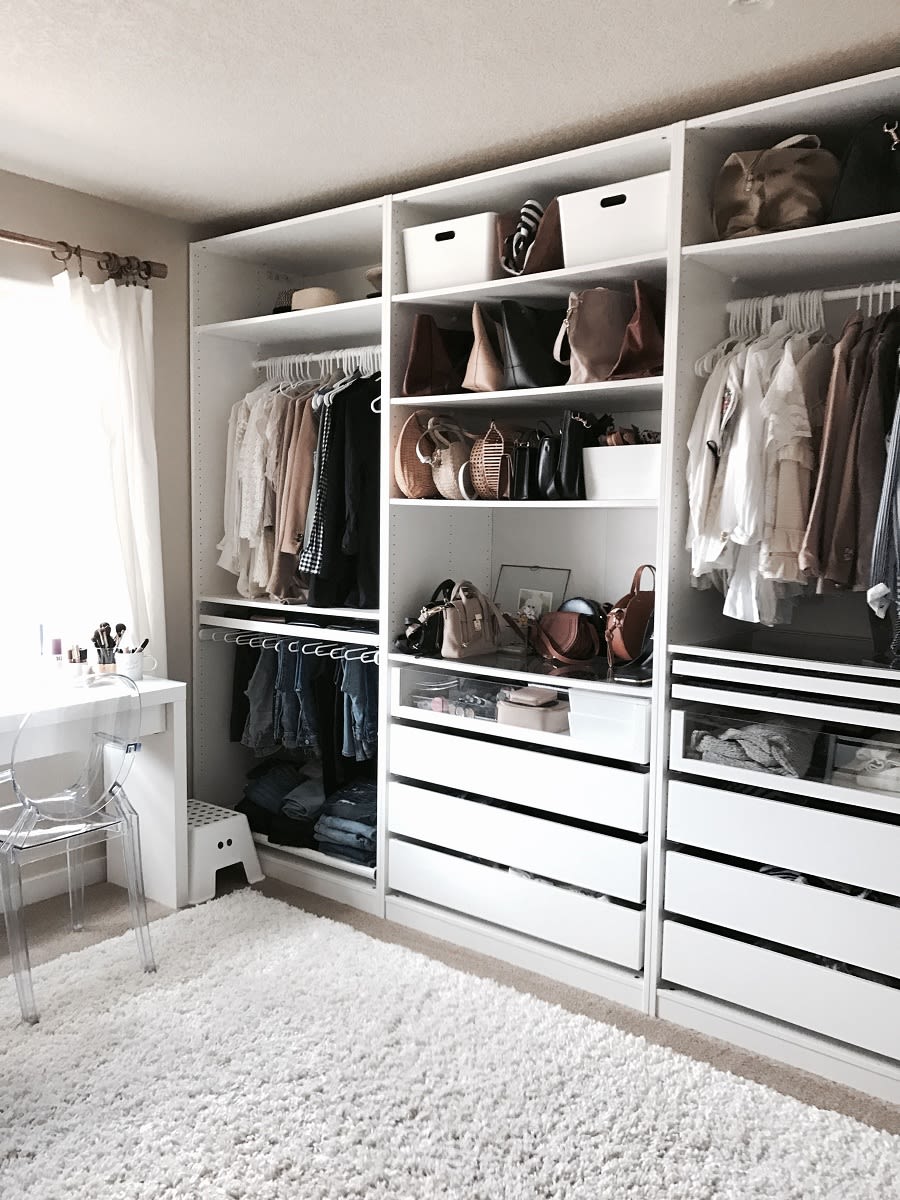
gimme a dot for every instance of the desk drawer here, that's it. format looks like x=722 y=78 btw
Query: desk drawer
x=584 y=790
x=848 y=849
x=584 y=923
x=851 y=1010
x=576 y=856
x=846 y=928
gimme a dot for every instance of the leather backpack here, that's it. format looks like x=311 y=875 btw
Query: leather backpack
x=626 y=624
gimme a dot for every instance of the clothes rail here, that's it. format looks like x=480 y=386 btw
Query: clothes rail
x=310 y=647
x=859 y=292
x=363 y=358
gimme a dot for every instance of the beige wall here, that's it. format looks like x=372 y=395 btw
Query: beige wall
x=42 y=210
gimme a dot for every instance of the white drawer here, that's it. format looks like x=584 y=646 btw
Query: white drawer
x=827 y=1002
x=590 y=860
x=846 y=928
x=583 y=923
x=584 y=790
x=844 y=848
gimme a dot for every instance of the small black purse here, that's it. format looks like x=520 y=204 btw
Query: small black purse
x=525 y=467
x=425 y=634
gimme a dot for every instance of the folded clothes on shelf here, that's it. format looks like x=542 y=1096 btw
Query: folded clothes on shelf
x=780 y=747
x=346 y=827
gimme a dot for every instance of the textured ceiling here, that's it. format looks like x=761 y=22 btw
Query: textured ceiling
x=224 y=109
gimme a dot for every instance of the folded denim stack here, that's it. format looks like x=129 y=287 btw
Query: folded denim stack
x=347 y=825
x=282 y=801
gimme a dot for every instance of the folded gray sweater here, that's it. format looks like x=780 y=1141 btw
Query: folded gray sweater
x=781 y=747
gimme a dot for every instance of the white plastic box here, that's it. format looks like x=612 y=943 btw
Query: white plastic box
x=622 y=472
x=620 y=220
x=614 y=726
x=451 y=253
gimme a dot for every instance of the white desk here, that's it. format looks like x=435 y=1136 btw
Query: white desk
x=156 y=786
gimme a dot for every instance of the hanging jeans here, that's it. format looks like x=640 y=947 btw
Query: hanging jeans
x=259 y=731
x=287 y=702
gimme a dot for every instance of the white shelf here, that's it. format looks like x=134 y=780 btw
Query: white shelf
x=317 y=244
x=622 y=395
x=522 y=674
x=822 y=254
x=298 y=610
x=315 y=856
x=651 y=268
x=319 y=633
x=514 y=504
x=356 y=320
x=495 y=729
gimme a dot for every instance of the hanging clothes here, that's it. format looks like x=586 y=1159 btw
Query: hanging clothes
x=301 y=499
x=787 y=487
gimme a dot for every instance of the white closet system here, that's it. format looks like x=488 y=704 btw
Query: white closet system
x=671 y=844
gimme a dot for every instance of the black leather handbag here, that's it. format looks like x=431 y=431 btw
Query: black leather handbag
x=547 y=463
x=525 y=467
x=425 y=634
x=869 y=182
x=528 y=338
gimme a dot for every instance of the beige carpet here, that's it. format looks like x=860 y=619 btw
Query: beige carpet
x=107 y=916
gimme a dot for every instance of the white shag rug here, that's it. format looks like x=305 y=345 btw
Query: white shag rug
x=280 y=1056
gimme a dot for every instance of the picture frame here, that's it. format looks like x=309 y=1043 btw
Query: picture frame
x=526 y=591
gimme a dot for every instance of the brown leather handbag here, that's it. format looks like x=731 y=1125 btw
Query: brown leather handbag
x=612 y=334
x=763 y=191
x=437 y=358
x=628 y=619
x=566 y=637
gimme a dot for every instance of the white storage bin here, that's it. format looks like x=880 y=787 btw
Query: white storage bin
x=611 y=726
x=620 y=220
x=622 y=472
x=454 y=252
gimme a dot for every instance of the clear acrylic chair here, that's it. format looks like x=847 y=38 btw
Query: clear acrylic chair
x=93 y=741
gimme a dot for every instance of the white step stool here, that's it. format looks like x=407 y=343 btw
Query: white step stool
x=217 y=837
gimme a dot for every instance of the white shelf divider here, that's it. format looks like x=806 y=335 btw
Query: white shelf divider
x=356 y=319
x=522 y=674
x=650 y=268
x=316 y=633
x=316 y=856
x=621 y=395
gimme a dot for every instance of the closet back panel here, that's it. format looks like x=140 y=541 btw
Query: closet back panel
x=219 y=764
x=223 y=373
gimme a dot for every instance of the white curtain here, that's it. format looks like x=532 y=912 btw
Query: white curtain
x=111 y=348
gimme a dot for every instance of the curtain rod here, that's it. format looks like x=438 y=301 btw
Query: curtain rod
x=113 y=264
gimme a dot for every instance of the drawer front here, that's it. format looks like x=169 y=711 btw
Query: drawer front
x=852 y=1010
x=789 y=706
x=577 y=856
x=584 y=790
x=848 y=849
x=583 y=923
x=847 y=928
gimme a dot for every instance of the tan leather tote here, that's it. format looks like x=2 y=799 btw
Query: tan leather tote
x=764 y=191
x=484 y=372
x=471 y=623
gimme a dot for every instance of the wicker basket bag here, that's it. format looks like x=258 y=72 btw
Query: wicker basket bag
x=413 y=474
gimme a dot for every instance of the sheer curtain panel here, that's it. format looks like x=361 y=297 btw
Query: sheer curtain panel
x=113 y=341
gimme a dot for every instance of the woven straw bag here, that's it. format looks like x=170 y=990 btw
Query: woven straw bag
x=412 y=473
x=444 y=446
x=490 y=464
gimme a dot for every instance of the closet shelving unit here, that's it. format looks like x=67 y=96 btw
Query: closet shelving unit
x=687 y=928
x=235 y=282
x=548 y=805
x=793 y=969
